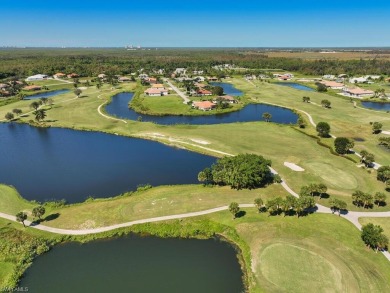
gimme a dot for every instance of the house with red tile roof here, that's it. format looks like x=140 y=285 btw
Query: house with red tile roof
x=73 y=75
x=204 y=105
x=227 y=99
x=203 y=92
x=333 y=85
x=153 y=92
x=59 y=75
x=358 y=92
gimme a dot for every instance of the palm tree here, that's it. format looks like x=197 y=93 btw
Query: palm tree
x=258 y=203
x=267 y=116
x=38 y=212
x=40 y=114
x=21 y=217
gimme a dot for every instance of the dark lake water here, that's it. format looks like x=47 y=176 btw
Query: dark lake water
x=228 y=88
x=47 y=94
x=377 y=106
x=119 y=107
x=296 y=86
x=135 y=264
x=54 y=163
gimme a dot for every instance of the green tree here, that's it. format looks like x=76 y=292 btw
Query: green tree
x=337 y=205
x=325 y=103
x=306 y=99
x=380 y=198
x=38 y=212
x=9 y=116
x=44 y=100
x=376 y=127
x=342 y=145
x=321 y=189
x=301 y=122
x=373 y=237
x=367 y=158
x=383 y=173
x=258 y=203
x=77 y=92
x=35 y=105
x=206 y=176
x=267 y=117
x=40 y=115
x=321 y=88
x=242 y=171
x=323 y=129
x=217 y=90
x=17 y=111
x=234 y=209
x=21 y=217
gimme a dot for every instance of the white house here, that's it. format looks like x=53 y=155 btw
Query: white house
x=358 y=80
x=37 y=77
x=329 y=76
x=156 y=92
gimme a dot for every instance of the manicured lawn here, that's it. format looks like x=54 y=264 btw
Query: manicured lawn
x=344 y=119
x=11 y=202
x=167 y=104
x=383 y=222
x=155 y=202
x=280 y=143
x=324 y=252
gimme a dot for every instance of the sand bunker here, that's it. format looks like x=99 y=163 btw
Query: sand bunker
x=200 y=141
x=293 y=167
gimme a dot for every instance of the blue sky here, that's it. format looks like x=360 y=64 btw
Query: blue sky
x=199 y=23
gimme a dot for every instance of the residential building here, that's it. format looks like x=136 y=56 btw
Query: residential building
x=153 y=92
x=37 y=77
x=333 y=85
x=358 y=92
x=204 y=106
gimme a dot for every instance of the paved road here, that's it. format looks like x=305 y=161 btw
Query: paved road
x=179 y=92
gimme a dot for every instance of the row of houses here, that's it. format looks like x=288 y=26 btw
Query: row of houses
x=350 y=92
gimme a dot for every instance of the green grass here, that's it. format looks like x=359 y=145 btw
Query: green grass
x=280 y=143
x=11 y=202
x=383 y=222
x=344 y=119
x=155 y=202
x=324 y=252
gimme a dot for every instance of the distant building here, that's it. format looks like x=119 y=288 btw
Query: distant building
x=37 y=77
x=204 y=106
x=102 y=76
x=333 y=85
x=155 y=92
x=73 y=75
x=203 y=92
x=59 y=75
x=358 y=92
x=227 y=99
x=124 y=79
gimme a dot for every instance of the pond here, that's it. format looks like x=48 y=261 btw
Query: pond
x=377 y=106
x=54 y=163
x=296 y=86
x=228 y=88
x=119 y=107
x=46 y=94
x=137 y=264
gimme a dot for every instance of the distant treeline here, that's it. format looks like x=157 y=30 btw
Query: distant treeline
x=91 y=62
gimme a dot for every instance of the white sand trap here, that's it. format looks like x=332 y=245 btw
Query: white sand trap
x=293 y=167
x=83 y=88
x=385 y=132
x=200 y=141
